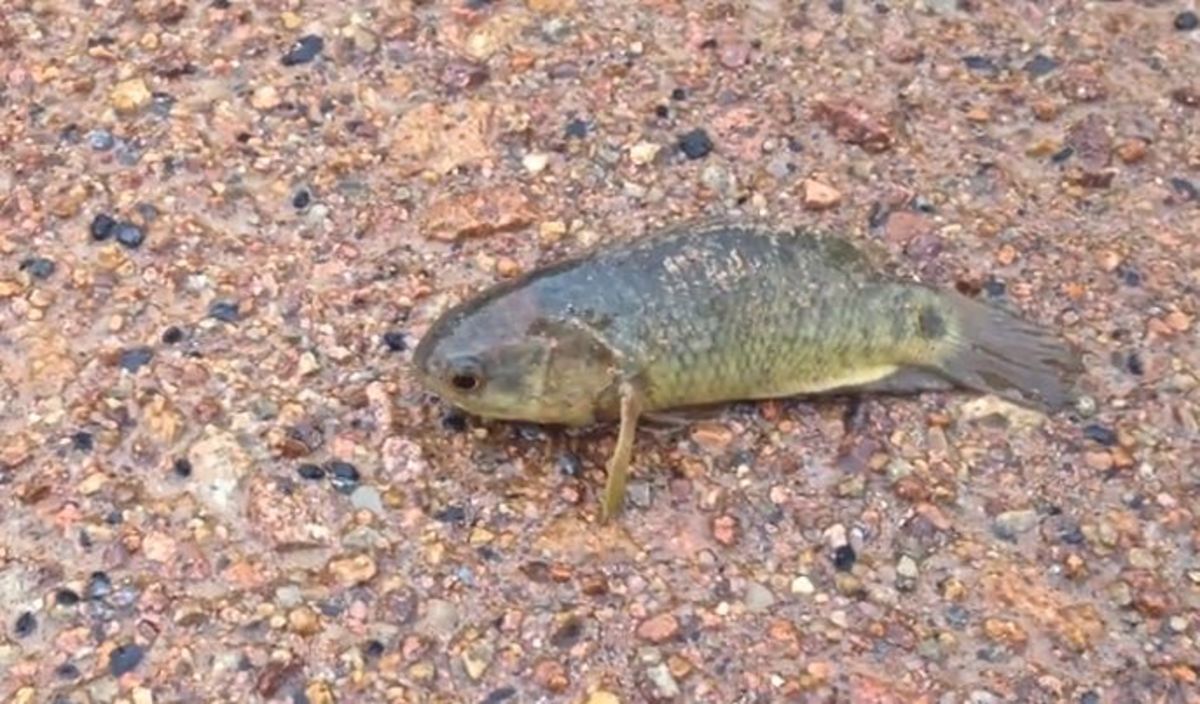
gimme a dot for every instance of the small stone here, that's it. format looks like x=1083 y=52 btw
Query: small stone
x=1100 y=434
x=803 y=585
x=1186 y=96
x=602 y=697
x=551 y=676
x=844 y=558
x=343 y=476
x=367 y=498
x=819 y=196
x=304 y=50
x=353 y=571
x=852 y=123
x=535 y=162
x=1040 y=65
x=38 y=267
x=478 y=213
x=395 y=341
x=1131 y=151
x=135 y=358
x=726 y=530
x=101 y=140
x=1099 y=460
x=658 y=629
x=129 y=96
x=643 y=153
x=664 y=682
x=224 y=311
x=311 y=472
x=695 y=144
x=304 y=621
x=129 y=235
x=441 y=618
x=1011 y=524
x=26 y=624
x=99 y=586
x=319 y=692
x=265 y=98
x=124 y=659
x=102 y=227
x=1186 y=21
x=758 y=598
x=476 y=659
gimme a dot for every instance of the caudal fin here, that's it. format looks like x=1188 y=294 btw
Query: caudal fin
x=991 y=350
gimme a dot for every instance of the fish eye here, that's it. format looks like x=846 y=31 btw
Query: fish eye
x=466 y=374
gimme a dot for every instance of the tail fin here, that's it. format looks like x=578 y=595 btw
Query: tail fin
x=991 y=350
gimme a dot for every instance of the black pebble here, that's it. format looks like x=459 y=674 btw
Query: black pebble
x=125 y=659
x=304 y=50
x=102 y=227
x=1130 y=276
x=1186 y=21
x=221 y=4
x=172 y=335
x=344 y=476
x=373 y=649
x=82 y=441
x=395 y=341
x=135 y=358
x=67 y=671
x=225 y=311
x=66 y=597
x=99 y=586
x=129 y=234
x=568 y=464
x=501 y=694
x=994 y=288
x=182 y=467
x=844 y=558
x=310 y=471
x=837 y=6
x=1089 y=697
x=678 y=94
x=1185 y=188
x=1134 y=364
x=577 y=128
x=662 y=111
x=695 y=144
x=1040 y=65
x=454 y=421
x=26 y=624
x=301 y=200
x=1099 y=433
x=38 y=267
x=981 y=64
x=1062 y=155
x=451 y=514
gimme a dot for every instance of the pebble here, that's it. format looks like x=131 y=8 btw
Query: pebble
x=101 y=140
x=304 y=50
x=664 y=682
x=643 y=153
x=476 y=658
x=367 y=498
x=303 y=621
x=844 y=558
x=551 y=676
x=1010 y=524
x=99 y=586
x=129 y=96
x=26 y=624
x=441 y=618
x=576 y=128
x=1186 y=21
x=695 y=144
x=135 y=358
x=38 y=267
x=658 y=629
x=225 y=311
x=907 y=568
x=602 y=697
x=1100 y=434
x=343 y=476
x=125 y=659
x=395 y=341
x=725 y=530
x=803 y=585
x=102 y=227
x=265 y=98
x=310 y=471
x=352 y=571
x=129 y=235
x=535 y=162
x=758 y=598
x=1040 y=65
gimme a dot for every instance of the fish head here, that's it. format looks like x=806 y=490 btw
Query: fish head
x=502 y=356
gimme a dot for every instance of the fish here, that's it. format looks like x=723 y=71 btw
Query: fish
x=702 y=315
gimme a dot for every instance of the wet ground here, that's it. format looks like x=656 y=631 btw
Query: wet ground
x=224 y=225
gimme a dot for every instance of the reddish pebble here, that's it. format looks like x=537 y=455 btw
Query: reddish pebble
x=658 y=629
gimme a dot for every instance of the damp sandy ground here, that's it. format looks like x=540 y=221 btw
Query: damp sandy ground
x=224 y=225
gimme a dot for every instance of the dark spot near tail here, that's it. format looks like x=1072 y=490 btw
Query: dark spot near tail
x=933 y=326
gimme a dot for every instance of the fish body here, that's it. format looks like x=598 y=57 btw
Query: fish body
x=706 y=315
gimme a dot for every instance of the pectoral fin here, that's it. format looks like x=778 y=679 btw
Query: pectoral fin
x=618 y=464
